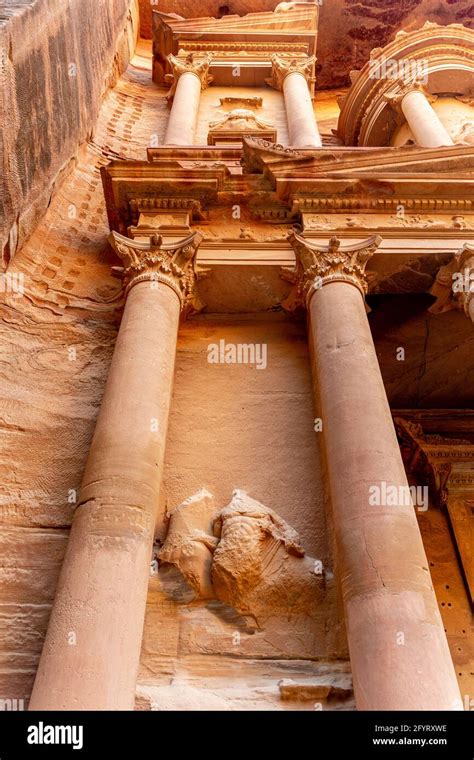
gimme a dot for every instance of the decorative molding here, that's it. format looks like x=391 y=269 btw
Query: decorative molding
x=243 y=48
x=319 y=265
x=251 y=102
x=188 y=65
x=150 y=203
x=368 y=203
x=173 y=264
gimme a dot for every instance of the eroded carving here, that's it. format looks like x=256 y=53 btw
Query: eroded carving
x=240 y=120
x=244 y=555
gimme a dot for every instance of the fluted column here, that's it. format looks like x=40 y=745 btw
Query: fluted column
x=190 y=76
x=415 y=103
x=399 y=654
x=292 y=77
x=91 y=653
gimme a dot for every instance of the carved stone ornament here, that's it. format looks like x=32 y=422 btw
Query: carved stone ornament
x=173 y=264
x=318 y=265
x=449 y=295
x=282 y=67
x=241 y=120
x=189 y=64
x=405 y=88
x=244 y=555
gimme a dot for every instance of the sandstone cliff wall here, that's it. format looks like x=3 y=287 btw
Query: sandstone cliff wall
x=56 y=61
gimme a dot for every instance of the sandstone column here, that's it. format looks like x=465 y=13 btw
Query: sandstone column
x=292 y=77
x=189 y=77
x=415 y=104
x=91 y=652
x=399 y=653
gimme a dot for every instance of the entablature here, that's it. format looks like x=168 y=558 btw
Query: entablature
x=247 y=41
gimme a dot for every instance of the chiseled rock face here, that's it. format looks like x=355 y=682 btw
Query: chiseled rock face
x=348 y=30
x=61 y=57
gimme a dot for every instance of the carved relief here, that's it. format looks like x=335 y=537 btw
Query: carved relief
x=448 y=296
x=386 y=221
x=244 y=555
x=240 y=120
x=237 y=123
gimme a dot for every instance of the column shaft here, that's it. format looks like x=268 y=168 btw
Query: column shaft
x=184 y=111
x=91 y=653
x=302 y=126
x=399 y=654
x=423 y=120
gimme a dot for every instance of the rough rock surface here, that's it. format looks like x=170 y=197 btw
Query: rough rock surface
x=57 y=61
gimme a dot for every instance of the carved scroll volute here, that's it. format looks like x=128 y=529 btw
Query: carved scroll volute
x=405 y=88
x=318 y=265
x=188 y=65
x=171 y=264
x=282 y=67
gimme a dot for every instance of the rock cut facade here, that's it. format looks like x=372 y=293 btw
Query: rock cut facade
x=261 y=523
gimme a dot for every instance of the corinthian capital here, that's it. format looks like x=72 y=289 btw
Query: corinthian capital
x=188 y=65
x=404 y=88
x=281 y=67
x=318 y=265
x=171 y=264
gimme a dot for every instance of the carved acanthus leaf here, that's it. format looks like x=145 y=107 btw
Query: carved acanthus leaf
x=404 y=88
x=282 y=67
x=318 y=265
x=189 y=64
x=173 y=264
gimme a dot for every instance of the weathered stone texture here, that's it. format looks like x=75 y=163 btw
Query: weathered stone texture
x=57 y=60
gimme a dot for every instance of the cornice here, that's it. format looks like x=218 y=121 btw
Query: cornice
x=279 y=182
